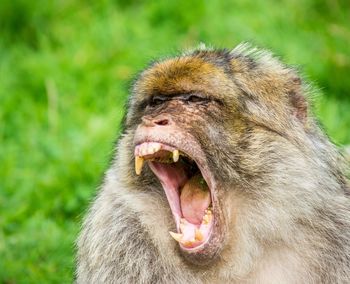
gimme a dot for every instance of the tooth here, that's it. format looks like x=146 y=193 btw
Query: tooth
x=188 y=243
x=198 y=235
x=208 y=212
x=182 y=227
x=145 y=150
x=157 y=147
x=176 y=155
x=138 y=164
x=206 y=219
x=154 y=149
x=177 y=237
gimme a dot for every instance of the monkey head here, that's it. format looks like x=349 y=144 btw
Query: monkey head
x=219 y=149
x=191 y=118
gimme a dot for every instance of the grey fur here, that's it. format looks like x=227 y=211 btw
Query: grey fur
x=284 y=195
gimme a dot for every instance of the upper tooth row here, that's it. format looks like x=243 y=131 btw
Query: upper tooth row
x=147 y=148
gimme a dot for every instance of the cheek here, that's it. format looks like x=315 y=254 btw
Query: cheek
x=215 y=132
x=218 y=136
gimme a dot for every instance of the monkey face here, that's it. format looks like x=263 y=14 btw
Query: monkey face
x=173 y=136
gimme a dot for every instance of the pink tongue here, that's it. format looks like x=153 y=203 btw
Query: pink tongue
x=195 y=199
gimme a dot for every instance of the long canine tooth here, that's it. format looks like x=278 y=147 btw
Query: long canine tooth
x=138 y=164
x=176 y=155
x=198 y=235
x=177 y=237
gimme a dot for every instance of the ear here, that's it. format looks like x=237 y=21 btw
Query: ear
x=298 y=100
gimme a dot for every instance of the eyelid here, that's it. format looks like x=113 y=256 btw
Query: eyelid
x=197 y=96
x=189 y=98
x=160 y=97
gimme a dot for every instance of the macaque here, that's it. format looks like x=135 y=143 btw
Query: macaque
x=221 y=175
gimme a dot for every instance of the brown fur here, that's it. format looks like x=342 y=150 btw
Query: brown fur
x=283 y=194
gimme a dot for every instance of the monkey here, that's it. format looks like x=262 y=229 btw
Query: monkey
x=222 y=174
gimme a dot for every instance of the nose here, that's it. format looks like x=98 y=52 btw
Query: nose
x=160 y=120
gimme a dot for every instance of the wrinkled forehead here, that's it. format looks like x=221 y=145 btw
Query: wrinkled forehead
x=181 y=75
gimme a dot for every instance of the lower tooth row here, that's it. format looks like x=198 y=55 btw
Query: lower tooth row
x=179 y=238
x=198 y=235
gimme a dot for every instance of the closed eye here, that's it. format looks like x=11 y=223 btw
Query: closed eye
x=195 y=98
x=192 y=98
x=157 y=100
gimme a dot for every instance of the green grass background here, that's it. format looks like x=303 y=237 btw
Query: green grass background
x=65 y=71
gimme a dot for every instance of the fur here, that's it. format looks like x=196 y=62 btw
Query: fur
x=283 y=192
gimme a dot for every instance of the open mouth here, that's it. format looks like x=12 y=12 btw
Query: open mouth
x=186 y=189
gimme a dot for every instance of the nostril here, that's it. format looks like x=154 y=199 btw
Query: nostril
x=162 y=122
x=151 y=122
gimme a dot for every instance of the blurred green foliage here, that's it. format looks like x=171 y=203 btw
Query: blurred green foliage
x=65 y=69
